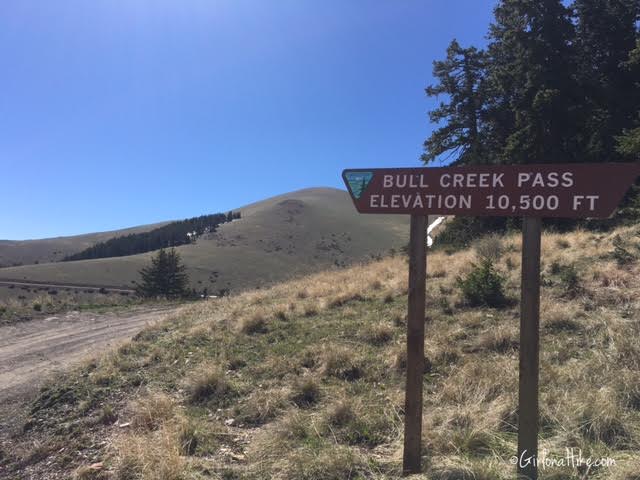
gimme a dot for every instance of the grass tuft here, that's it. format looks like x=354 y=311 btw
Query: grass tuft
x=254 y=325
x=306 y=394
x=209 y=384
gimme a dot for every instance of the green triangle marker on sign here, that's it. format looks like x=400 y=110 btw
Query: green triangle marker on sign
x=358 y=182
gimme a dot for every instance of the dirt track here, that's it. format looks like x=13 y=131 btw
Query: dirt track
x=31 y=351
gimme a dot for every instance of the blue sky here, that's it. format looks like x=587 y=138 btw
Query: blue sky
x=124 y=112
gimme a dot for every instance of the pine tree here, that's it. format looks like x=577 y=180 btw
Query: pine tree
x=461 y=78
x=165 y=277
x=628 y=144
x=605 y=35
x=531 y=77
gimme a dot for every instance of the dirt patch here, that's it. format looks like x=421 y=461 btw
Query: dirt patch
x=32 y=351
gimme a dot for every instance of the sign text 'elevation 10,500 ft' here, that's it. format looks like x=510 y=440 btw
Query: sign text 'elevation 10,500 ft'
x=569 y=190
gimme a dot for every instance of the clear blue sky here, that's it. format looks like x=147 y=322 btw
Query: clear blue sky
x=115 y=113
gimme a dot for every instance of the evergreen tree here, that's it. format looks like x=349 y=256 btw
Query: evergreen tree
x=628 y=144
x=555 y=84
x=461 y=77
x=165 y=277
x=531 y=76
x=606 y=34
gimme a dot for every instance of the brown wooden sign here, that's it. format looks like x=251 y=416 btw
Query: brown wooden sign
x=591 y=190
x=530 y=191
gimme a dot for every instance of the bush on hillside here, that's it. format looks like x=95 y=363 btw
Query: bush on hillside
x=621 y=255
x=483 y=286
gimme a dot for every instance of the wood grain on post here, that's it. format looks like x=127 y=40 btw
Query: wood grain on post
x=529 y=350
x=415 y=345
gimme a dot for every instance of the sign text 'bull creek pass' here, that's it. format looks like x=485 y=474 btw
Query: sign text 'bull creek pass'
x=530 y=191
x=571 y=190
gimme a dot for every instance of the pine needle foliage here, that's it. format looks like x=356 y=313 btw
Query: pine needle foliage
x=165 y=277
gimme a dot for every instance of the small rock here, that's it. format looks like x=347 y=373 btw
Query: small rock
x=229 y=422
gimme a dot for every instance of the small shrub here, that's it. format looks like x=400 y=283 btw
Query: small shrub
x=483 y=286
x=570 y=280
x=37 y=307
x=621 y=255
x=562 y=243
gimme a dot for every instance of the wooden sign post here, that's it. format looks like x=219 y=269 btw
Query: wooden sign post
x=415 y=344
x=530 y=191
x=529 y=348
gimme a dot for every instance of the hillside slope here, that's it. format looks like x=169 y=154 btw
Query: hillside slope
x=305 y=380
x=27 y=252
x=275 y=239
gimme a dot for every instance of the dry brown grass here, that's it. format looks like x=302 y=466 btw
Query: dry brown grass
x=154 y=456
x=341 y=363
x=208 y=384
x=151 y=411
x=317 y=393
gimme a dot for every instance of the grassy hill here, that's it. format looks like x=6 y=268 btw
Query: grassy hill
x=28 y=252
x=276 y=239
x=305 y=380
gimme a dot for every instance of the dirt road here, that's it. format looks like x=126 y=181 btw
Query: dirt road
x=24 y=283
x=31 y=351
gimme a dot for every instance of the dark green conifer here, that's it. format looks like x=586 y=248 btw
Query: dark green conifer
x=165 y=277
